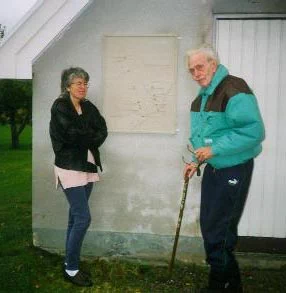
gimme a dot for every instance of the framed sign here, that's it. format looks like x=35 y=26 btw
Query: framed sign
x=140 y=81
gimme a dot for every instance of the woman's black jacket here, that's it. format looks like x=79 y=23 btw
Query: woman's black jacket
x=73 y=135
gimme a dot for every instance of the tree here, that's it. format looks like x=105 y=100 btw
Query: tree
x=16 y=106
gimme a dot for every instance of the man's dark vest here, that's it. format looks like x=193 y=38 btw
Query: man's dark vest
x=217 y=102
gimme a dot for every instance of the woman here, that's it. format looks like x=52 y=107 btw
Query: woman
x=77 y=130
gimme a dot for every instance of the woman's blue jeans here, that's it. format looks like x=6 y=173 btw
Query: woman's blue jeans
x=78 y=223
x=223 y=196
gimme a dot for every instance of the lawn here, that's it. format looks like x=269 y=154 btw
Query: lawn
x=24 y=268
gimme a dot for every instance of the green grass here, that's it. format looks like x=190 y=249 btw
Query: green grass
x=24 y=268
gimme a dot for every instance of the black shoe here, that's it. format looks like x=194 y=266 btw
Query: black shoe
x=85 y=272
x=79 y=279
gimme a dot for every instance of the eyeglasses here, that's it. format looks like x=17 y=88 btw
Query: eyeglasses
x=199 y=67
x=81 y=84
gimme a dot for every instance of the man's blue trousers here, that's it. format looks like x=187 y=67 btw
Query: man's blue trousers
x=223 y=196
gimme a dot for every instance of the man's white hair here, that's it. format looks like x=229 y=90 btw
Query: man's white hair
x=206 y=50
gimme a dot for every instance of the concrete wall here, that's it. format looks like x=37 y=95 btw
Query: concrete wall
x=135 y=205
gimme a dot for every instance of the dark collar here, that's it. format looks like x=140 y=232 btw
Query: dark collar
x=70 y=105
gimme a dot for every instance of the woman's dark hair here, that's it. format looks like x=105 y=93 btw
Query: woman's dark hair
x=69 y=74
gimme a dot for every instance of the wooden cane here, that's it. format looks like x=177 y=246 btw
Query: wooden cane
x=183 y=201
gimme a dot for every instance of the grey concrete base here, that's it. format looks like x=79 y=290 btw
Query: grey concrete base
x=146 y=248
x=129 y=245
x=261 y=260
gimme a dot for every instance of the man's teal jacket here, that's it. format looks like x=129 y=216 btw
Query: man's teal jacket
x=226 y=117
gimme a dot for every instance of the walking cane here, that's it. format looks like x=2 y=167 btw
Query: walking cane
x=183 y=201
x=182 y=207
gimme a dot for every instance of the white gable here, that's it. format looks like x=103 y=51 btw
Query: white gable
x=44 y=23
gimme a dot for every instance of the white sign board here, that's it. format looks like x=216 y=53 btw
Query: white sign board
x=140 y=75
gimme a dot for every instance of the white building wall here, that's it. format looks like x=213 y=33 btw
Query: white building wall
x=135 y=206
x=140 y=189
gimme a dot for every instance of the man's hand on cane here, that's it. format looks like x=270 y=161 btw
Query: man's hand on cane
x=190 y=170
x=202 y=154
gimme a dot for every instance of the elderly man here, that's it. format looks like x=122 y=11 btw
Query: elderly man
x=226 y=133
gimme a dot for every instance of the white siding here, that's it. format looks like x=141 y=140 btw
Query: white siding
x=42 y=25
x=255 y=50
